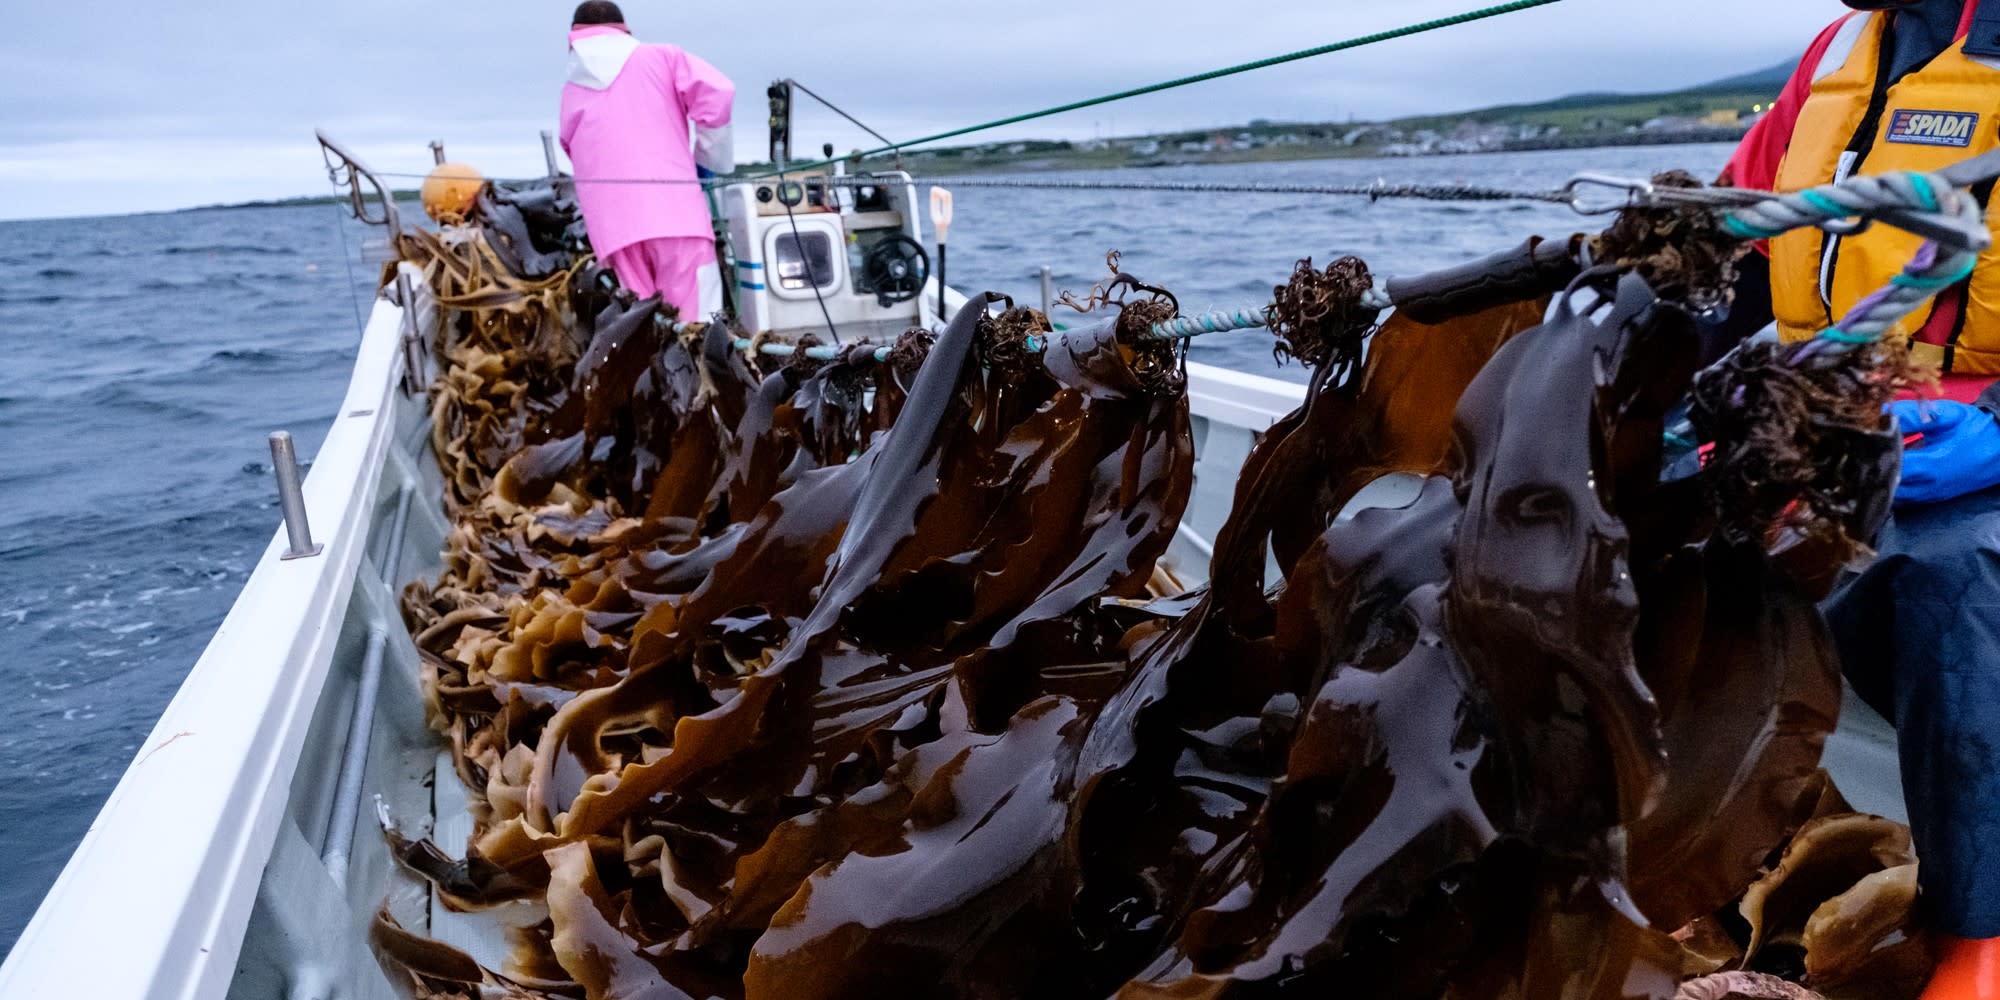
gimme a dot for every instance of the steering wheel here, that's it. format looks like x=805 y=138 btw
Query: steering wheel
x=896 y=268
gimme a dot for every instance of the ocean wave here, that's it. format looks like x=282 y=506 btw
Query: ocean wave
x=133 y=398
x=201 y=283
x=253 y=355
x=219 y=249
x=238 y=359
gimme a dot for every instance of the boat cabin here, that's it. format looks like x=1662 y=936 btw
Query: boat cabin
x=823 y=249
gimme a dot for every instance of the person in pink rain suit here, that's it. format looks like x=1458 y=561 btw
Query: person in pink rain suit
x=625 y=116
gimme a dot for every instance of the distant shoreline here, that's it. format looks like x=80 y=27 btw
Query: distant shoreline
x=1050 y=163
x=1031 y=163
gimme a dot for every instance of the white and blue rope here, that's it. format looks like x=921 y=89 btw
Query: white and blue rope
x=1935 y=267
x=1181 y=327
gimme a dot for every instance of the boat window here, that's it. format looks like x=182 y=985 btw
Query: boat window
x=805 y=259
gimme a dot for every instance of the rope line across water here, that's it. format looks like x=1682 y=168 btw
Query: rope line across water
x=1183 y=81
x=1376 y=190
x=1223 y=321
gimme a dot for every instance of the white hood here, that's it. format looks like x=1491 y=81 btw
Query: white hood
x=596 y=61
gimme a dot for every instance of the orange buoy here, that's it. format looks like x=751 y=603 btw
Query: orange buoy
x=450 y=190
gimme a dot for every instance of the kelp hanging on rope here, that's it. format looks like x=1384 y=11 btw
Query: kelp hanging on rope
x=844 y=679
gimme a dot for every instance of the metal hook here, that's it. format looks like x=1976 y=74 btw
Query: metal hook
x=1637 y=193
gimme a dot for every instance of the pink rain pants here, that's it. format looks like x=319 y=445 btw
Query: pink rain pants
x=668 y=265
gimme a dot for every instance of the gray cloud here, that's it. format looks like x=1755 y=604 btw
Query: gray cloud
x=144 y=106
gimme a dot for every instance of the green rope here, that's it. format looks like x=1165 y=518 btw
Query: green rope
x=1352 y=43
x=1921 y=184
x=1840 y=336
x=1745 y=231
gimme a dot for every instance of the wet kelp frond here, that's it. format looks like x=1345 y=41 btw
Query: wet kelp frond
x=1835 y=910
x=1155 y=360
x=1685 y=255
x=1004 y=349
x=844 y=681
x=505 y=348
x=1806 y=454
x=529 y=226
x=945 y=595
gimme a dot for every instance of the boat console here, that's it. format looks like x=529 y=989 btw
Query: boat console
x=814 y=249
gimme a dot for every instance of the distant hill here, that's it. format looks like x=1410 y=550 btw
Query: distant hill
x=1772 y=78
x=1599 y=110
x=1766 y=82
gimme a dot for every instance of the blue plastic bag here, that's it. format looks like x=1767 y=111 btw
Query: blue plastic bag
x=1959 y=453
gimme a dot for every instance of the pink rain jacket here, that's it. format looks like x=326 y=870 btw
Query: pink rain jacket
x=625 y=113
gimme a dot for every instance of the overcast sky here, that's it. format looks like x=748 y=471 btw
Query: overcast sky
x=127 y=105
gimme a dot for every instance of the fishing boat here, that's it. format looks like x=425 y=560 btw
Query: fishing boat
x=241 y=855
x=251 y=845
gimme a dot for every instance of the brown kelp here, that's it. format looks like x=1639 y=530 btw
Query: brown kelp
x=834 y=679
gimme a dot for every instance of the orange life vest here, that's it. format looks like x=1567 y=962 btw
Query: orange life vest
x=1855 y=122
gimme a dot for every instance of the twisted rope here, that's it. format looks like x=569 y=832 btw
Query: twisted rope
x=1373 y=192
x=1933 y=269
x=1209 y=322
x=1854 y=197
x=1377 y=190
x=1179 y=328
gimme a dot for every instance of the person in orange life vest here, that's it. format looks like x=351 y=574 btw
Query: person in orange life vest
x=1913 y=85
x=625 y=116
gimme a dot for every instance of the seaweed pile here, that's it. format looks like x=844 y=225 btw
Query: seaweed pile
x=845 y=679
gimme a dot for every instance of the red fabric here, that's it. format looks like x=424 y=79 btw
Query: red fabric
x=1963 y=388
x=1944 y=319
x=1755 y=164
x=1966 y=970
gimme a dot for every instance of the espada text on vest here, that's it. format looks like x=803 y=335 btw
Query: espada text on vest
x=1933 y=128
